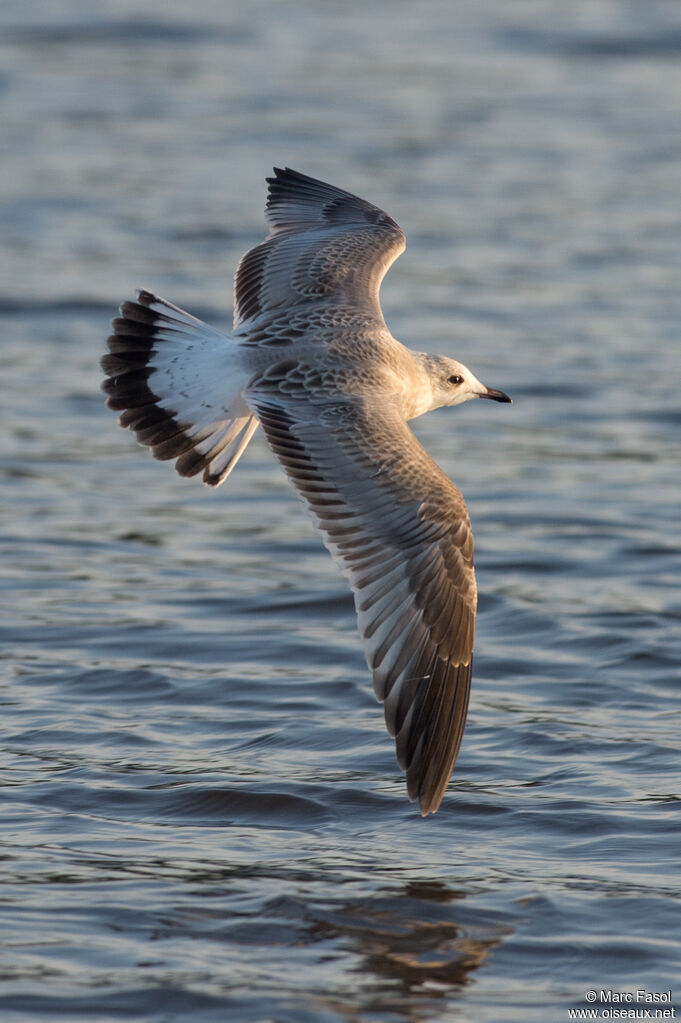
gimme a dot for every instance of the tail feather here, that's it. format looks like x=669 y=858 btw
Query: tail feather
x=176 y=382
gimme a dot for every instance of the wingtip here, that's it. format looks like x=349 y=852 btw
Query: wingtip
x=145 y=297
x=428 y=805
x=282 y=172
x=287 y=177
x=429 y=799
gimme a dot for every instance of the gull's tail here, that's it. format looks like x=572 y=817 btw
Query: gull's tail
x=178 y=384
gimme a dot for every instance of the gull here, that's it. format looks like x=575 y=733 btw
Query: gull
x=311 y=360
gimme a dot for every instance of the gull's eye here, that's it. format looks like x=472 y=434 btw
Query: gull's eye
x=455 y=379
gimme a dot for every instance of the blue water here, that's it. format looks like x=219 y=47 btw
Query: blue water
x=201 y=814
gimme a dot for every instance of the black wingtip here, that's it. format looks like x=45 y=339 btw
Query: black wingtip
x=286 y=179
x=145 y=297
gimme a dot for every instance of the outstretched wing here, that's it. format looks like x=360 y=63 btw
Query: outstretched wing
x=399 y=529
x=325 y=244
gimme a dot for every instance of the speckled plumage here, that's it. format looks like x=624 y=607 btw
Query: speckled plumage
x=312 y=361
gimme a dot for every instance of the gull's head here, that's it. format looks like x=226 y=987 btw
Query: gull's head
x=453 y=383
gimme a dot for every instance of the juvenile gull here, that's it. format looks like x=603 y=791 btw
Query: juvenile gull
x=312 y=361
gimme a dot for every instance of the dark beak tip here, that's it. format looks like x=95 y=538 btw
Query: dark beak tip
x=495 y=395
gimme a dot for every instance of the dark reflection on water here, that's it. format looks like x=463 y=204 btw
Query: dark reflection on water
x=202 y=817
x=412 y=939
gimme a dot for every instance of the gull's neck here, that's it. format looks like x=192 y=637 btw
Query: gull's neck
x=418 y=394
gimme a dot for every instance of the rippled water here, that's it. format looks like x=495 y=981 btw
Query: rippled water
x=202 y=817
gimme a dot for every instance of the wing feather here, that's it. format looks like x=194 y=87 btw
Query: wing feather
x=400 y=532
x=325 y=244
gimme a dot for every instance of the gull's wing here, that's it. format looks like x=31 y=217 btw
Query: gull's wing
x=399 y=529
x=324 y=245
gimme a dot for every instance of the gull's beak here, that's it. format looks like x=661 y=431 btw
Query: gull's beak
x=491 y=392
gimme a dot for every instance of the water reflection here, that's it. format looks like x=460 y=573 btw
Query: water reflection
x=416 y=945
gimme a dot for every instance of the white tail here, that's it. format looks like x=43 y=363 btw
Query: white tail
x=178 y=384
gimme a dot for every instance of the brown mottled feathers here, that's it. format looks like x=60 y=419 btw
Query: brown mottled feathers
x=399 y=529
x=325 y=244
